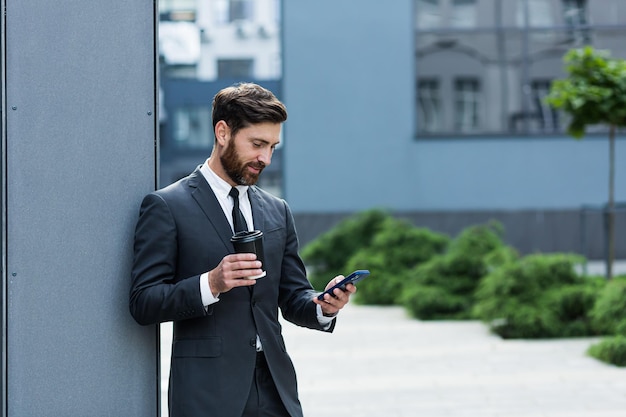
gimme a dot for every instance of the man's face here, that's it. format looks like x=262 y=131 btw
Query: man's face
x=249 y=152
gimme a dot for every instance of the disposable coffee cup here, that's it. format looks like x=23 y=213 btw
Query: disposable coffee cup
x=250 y=242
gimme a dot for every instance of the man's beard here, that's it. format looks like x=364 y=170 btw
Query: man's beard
x=237 y=170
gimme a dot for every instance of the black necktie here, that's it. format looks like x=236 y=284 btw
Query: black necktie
x=239 y=222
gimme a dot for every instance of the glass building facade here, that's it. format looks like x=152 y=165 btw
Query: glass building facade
x=484 y=66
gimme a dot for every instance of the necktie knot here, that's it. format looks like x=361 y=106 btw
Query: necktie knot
x=239 y=222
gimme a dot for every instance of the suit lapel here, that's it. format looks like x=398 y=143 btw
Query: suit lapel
x=256 y=203
x=203 y=194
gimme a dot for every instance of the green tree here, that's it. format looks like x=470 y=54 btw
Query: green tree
x=594 y=93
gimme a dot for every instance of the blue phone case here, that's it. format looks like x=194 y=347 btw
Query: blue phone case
x=353 y=278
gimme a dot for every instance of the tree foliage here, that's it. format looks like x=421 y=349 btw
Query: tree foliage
x=594 y=91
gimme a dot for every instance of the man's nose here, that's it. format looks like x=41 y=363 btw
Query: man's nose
x=265 y=156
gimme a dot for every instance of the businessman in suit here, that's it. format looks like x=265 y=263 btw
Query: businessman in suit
x=228 y=353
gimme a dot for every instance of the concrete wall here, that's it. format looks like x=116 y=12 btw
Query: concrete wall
x=78 y=155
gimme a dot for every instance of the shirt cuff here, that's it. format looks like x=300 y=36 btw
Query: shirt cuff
x=205 y=291
x=323 y=320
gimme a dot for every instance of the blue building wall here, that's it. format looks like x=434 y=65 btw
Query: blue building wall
x=348 y=87
x=350 y=145
x=511 y=173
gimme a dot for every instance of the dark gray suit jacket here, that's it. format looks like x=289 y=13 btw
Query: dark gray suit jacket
x=181 y=233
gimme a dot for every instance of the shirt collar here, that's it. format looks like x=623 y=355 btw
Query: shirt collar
x=220 y=187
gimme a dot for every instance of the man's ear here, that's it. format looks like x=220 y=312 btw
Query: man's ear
x=222 y=132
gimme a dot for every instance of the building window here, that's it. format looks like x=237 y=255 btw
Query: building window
x=428 y=14
x=431 y=14
x=177 y=5
x=192 y=128
x=227 y=11
x=177 y=10
x=547 y=119
x=235 y=68
x=483 y=67
x=240 y=10
x=467 y=105
x=429 y=106
x=575 y=12
x=540 y=13
x=463 y=14
x=575 y=17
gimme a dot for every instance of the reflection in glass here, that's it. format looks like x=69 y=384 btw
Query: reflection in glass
x=491 y=78
x=575 y=12
x=545 y=117
x=463 y=14
x=429 y=105
x=235 y=68
x=575 y=17
x=240 y=10
x=540 y=13
x=192 y=127
x=467 y=104
x=428 y=14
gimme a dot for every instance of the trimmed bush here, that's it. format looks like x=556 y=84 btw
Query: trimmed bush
x=327 y=255
x=610 y=350
x=527 y=322
x=443 y=288
x=434 y=303
x=539 y=296
x=572 y=305
x=396 y=249
x=609 y=311
x=478 y=240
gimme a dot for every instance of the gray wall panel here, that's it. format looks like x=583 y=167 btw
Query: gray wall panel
x=80 y=149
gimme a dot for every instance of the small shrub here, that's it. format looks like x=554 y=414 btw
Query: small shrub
x=479 y=240
x=609 y=312
x=499 y=292
x=537 y=296
x=396 y=249
x=610 y=350
x=500 y=256
x=455 y=273
x=573 y=304
x=434 y=303
x=327 y=255
x=526 y=322
x=448 y=281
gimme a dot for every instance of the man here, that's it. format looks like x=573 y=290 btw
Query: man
x=228 y=354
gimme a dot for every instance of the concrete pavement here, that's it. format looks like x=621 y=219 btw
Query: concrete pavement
x=381 y=363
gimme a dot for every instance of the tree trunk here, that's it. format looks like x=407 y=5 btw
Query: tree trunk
x=611 y=205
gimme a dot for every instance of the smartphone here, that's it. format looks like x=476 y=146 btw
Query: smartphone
x=353 y=278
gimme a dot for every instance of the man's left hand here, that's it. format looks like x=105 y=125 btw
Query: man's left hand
x=332 y=304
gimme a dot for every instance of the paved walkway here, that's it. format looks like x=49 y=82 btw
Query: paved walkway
x=381 y=363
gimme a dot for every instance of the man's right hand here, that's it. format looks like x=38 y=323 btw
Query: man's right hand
x=233 y=271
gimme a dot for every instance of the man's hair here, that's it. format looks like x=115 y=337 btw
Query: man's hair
x=244 y=104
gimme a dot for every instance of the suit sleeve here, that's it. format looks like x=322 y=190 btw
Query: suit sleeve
x=155 y=295
x=296 y=292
